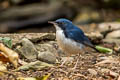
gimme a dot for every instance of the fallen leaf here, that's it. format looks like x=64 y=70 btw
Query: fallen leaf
x=7 y=41
x=4 y=58
x=104 y=50
x=12 y=55
x=37 y=65
x=2 y=68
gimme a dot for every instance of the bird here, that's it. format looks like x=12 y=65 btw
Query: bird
x=70 y=38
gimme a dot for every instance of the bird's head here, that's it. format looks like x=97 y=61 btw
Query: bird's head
x=61 y=24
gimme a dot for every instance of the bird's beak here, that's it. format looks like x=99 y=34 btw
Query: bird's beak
x=52 y=22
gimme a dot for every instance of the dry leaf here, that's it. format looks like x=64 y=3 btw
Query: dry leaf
x=4 y=58
x=2 y=68
x=12 y=55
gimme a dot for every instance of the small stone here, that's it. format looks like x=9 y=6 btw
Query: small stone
x=47 y=57
x=114 y=34
x=92 y=71
x=45 y=47
x=95 y=35
x=117 y=41
x=70 y=59
x=103 y=27
x=47 y=52
x=28 y=49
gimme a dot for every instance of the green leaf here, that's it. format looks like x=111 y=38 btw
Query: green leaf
x=103 y=49
x=7 y=41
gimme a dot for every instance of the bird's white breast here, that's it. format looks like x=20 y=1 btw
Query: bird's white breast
x=67 y=45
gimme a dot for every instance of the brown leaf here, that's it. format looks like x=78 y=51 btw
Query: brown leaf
x=12 y=55
x=2 y=68
x=4 y=58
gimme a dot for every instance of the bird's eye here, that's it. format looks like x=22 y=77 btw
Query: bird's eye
x=59 y=22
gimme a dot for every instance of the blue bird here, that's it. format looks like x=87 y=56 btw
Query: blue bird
x=70 y=38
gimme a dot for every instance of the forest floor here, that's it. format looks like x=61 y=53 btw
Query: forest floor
x=92 y=65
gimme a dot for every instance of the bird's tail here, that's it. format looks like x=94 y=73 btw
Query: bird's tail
x=94 y=47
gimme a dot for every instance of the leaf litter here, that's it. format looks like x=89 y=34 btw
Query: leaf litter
x=88 y=61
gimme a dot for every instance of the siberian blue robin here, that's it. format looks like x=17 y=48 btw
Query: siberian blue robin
x=70 y=38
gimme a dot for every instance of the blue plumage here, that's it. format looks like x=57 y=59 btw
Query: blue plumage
x=70 y=38
x=78 y=36
x=73 y=32
x=67 y=33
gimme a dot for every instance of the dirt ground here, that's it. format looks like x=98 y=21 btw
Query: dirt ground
x=92 y=65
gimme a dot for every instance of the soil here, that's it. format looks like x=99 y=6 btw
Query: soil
x=86 y=68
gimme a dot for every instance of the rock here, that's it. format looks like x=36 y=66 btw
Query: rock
x=95 y=35
x=47 y=53
x=112 y=41
x=102 y=27
x=34 y=37
x=45 y=47
x=37 y=65
x=92 y=71
x=113 y=34
x=28 y=49
x=47 y=57
x=70 y=59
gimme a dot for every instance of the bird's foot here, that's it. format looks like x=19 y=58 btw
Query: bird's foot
x=75 y=66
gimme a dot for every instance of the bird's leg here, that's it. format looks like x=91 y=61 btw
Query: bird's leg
x=77 y=62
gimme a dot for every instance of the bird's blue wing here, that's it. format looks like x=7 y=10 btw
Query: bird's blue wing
x=78 y=35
